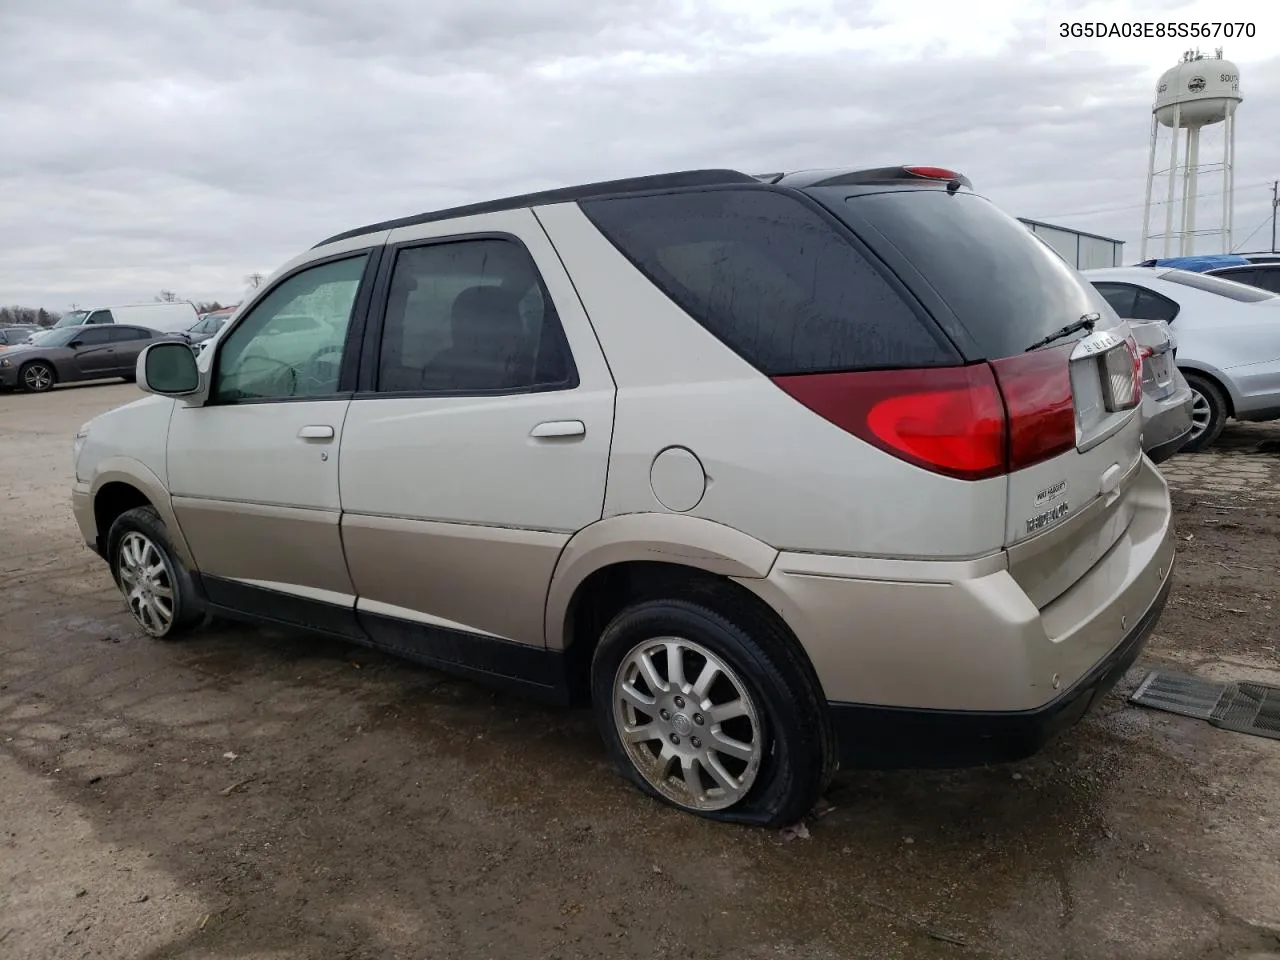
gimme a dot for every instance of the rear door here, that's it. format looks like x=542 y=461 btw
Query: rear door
x=1058 y=349
x=478 y=443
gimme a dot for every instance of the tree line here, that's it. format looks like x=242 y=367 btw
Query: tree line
x=9 y=316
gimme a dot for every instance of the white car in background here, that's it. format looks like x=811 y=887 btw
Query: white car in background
x=1228 y=339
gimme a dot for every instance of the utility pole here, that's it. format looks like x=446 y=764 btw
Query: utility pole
x=1275 y=204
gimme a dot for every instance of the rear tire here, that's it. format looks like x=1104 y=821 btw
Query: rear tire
x=1208 y=412
x=156 y=586
x=752 y=745
x=37 y=377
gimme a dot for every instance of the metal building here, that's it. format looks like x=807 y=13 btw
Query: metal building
x=1084 y=251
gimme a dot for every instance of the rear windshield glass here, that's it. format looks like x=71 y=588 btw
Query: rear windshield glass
x=1218 y=285
x=1006 y=288
x=772 y=279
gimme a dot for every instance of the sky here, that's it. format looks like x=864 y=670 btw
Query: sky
x=182 y=145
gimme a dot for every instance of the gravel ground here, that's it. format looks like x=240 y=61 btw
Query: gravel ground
x=258 y=794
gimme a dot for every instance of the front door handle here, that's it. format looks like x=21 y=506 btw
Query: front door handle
x=316 y=432
x=559 y=428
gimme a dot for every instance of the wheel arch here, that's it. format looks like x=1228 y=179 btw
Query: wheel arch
x=120 y=484
x=624 y=559
x=1216 y=377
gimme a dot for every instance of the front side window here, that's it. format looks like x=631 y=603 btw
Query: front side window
x=93 y=337
x=289 y=346
x=100 y=316
x=470 y=316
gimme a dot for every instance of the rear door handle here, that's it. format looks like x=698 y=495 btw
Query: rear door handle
x=316 y=432
x=559 y=428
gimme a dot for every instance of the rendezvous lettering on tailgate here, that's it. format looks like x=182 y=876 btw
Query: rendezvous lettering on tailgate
x=1048 y=517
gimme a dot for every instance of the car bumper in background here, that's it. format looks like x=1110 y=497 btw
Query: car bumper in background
x=950 y=663
x=1166 y=423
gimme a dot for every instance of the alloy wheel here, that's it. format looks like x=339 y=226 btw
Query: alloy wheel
x=147 y=582
x=687 y=723
x=1201 y=413
x=37 y=377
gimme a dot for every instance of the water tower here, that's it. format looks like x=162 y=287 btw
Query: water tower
x=1199 y=92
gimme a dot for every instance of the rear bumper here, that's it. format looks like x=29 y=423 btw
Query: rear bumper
x=897 y=737
x=1166 y=425
x=951 y=662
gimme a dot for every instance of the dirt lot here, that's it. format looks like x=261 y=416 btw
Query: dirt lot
x=246 y=793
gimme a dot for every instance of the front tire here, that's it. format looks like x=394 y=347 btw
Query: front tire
x=713 y=714
x=37 y=377
x=1208 y=412
x=155 y=584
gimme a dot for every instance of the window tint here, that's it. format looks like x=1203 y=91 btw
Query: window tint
x=100 y=316
x=133 y=333
x=1238 y=274
x=270 y=357
x=771 y=279
x=1219 y=285
x=91 y=337
x=1151 y=306
x=470 y=316
x=1267 y=280
x=1121 y=296
x=1005 y=288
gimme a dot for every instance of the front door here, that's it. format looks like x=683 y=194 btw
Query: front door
x=95 y=352
x=254 y=471
x=477 y=445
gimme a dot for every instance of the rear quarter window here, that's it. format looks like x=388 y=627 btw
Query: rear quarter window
x=773 y=279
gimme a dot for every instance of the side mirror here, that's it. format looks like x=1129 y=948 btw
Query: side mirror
x=76 y=343
x=169 y=369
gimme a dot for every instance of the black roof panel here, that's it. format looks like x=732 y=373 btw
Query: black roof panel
x=662 y=181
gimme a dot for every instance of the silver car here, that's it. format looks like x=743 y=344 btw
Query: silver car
x=1228 y=339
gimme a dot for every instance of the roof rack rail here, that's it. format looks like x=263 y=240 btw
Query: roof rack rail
x=604 y=188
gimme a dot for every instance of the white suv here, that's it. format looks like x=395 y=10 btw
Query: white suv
x=777 y=472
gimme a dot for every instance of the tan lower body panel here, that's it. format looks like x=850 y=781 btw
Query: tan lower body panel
x=288 y=546
x=965 y=635
x=490 y=580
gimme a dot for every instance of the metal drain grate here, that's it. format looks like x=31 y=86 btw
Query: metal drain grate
x=1252 y=708
x=1178 y=693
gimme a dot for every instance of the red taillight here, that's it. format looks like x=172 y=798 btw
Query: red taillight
x=946 y=419
x=933 y=173
x=1037 y=394
x=970 y=423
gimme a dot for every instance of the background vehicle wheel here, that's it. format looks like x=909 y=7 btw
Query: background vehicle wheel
x=1208 y=412
x=156 y=586
x=37 y=377
x=718 y=715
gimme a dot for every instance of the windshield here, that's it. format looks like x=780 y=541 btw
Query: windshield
x=72 y=319
x=54 y=338
x=1219 y=285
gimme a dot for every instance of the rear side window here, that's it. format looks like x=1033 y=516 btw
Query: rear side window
x=471 y=316
x=1267 y=280
x=1224 y=288
x=772 y=279
x=1132 y=302
x=1006 y=288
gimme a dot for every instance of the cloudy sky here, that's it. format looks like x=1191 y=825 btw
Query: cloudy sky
x=183 y=144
